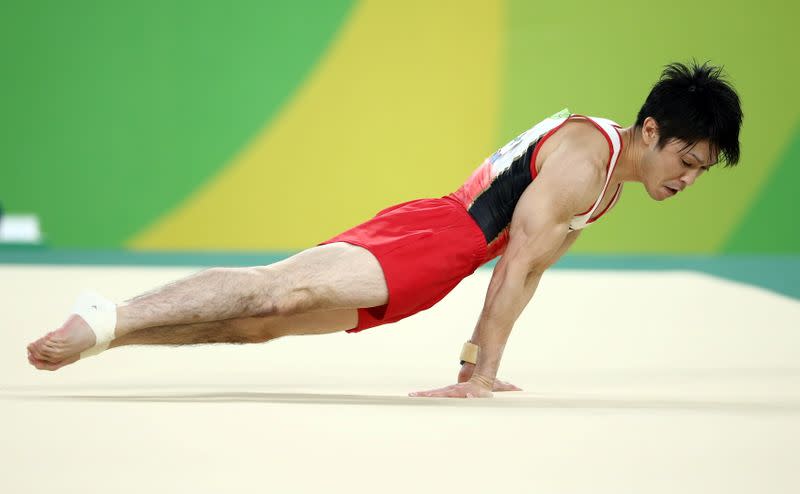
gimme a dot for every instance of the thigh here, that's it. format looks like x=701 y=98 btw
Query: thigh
x=332 y=276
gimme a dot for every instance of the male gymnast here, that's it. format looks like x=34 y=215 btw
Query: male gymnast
x=527 y=203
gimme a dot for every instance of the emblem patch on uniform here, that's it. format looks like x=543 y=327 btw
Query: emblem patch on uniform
x=562 y=114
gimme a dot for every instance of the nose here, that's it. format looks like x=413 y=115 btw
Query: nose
x=690 y=176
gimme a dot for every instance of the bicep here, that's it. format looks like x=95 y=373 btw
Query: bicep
x=539 y=231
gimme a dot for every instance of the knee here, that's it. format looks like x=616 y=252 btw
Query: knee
x=275 y=294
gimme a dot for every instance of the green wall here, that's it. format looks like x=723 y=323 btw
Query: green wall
x=116 y=111
x=168 y=125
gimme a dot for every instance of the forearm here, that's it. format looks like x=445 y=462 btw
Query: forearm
x=538 y=233
x=509 y=292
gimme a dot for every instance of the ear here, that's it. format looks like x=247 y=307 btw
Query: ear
x=650 y=132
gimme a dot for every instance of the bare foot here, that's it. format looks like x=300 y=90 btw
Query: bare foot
x=62 y=346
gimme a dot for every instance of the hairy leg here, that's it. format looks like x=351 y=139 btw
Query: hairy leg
x=242 y=330
x=325 y=278
x=328 y=277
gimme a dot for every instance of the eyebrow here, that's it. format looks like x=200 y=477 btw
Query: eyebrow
x=698 y=159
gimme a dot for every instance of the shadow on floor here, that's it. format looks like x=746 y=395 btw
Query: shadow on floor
x=501 y=400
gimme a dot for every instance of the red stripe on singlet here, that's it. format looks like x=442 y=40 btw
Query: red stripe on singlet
x=608 y=206
x=553 y=130
x=616 y=194
x=539 y=146
x=610 y=156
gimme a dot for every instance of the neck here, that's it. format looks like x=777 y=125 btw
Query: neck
x=629 y=164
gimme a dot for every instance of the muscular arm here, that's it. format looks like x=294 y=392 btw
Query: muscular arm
x=539 y=236
x=571 y=238
x=467 y=368
x=570 y=179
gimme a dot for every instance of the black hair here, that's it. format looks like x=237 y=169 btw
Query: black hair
x=692 y=103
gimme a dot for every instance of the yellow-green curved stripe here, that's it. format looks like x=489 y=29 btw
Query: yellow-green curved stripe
x=604 y=60
x=404 y=105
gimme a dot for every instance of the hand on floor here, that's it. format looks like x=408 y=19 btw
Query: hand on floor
x=467 y=389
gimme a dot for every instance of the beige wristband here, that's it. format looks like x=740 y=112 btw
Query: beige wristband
x=469 y=353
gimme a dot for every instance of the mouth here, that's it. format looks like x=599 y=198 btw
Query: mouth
x=671 y=191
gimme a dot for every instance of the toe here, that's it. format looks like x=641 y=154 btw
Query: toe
x=51 y=348
x=35 y=351
x=42 y=364
x=45 y=354
x=54 y=366
x=68 y=361
x=51 y=364
x=39 y=364
x=50 y=354
x=57 y=337
x=38 y=343
x=46 y=366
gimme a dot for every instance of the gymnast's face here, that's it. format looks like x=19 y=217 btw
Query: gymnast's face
x=676 y=166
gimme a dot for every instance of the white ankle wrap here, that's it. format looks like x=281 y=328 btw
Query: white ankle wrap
x=101 y=316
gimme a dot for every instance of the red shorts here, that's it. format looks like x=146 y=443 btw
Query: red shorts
x=425 y=248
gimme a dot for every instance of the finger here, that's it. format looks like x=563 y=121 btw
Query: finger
x=506 y=387
x=39 y=364
x=440 y=392
x=445 y=393
x=430 y=392
x=478 y=394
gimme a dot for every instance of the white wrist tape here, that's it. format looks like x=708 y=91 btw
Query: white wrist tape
x=101 y=316
x=469 y=353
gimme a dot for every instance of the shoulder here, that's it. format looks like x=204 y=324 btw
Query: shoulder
x=578 y=150
x=582 y=138
x=572 y=171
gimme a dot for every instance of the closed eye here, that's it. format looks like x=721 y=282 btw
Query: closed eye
x=687 y=165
